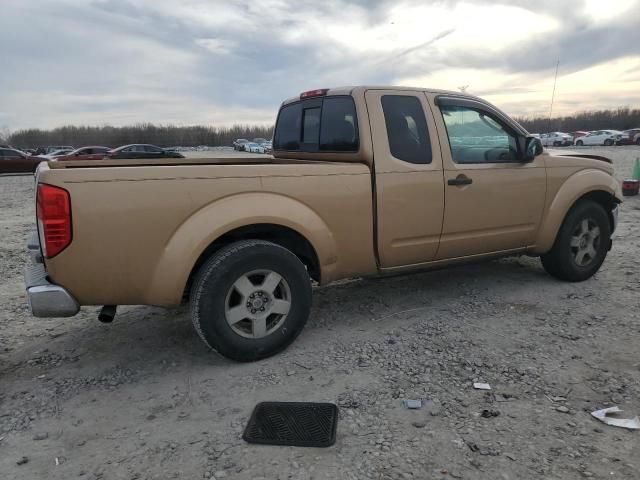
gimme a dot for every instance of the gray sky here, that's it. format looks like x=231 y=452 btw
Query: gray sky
x=223 y=62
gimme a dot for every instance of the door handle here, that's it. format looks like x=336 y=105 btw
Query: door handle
x=460 y=180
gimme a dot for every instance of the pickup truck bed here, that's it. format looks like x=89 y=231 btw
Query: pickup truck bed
x=213 y=160
x=139 y=229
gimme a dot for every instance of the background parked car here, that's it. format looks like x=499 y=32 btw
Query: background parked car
x=54 y=148
x=239 y=144
x=556 y=139
x=254 y=148
x=629 y=137
x=578 y=134
x=599 y=137
x=15 y=161
x=55 y=154
x=85 y=153
x=142 y=150
x=260 y=141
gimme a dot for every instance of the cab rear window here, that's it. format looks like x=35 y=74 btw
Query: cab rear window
x=326 y=124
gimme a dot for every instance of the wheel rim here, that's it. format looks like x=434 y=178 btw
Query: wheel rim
x=585 y=242
x=257 y=303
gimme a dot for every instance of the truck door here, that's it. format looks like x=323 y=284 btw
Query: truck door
x=408 y=177
x=494 y=200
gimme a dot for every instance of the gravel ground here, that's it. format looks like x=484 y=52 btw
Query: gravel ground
x=143 y=398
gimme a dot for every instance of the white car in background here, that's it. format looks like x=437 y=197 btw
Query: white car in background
x=556 y=139
x=56 y=153
x=600 y=137
x=254 y=148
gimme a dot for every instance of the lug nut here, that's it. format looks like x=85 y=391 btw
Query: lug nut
x=253 y=310
x=262 y=309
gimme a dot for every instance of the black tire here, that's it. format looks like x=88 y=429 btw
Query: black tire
x=608 y=142
x=561 y=261
x=638 y=141
x=213 y=289
x=556 y=144
x=579 y=143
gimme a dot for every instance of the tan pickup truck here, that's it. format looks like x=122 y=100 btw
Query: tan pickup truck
x=363 y=181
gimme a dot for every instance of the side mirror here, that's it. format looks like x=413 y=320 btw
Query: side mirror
x=532 y=148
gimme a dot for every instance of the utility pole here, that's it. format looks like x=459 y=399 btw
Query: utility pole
x=553 y=94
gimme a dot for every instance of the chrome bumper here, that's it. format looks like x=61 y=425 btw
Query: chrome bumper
x=45 y=298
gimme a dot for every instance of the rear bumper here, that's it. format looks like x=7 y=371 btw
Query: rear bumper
x=46 y=299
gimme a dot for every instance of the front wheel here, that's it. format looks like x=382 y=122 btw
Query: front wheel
x=608 y=142
x=581 y=245
x=250 y=300
x=579 y=143
x=556 y=144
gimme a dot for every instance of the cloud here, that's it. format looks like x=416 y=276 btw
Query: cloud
x=195 y=61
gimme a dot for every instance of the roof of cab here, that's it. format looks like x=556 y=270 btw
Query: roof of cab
x=350 y=90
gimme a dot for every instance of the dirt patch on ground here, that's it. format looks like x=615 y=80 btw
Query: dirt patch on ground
x=144 y=398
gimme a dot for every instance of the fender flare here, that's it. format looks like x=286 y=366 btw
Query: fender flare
x=575 y=187
x=203 y=227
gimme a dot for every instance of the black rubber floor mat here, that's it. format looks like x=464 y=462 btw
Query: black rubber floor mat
x=298 y=424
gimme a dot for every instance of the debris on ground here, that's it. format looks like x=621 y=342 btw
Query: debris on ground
x=482 y=386
x=607 y=415
x=489 y=412
x=22 y=461
x=412 y=404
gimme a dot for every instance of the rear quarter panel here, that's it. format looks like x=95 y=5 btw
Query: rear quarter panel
x=138 y=231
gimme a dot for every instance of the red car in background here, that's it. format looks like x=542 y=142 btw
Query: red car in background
x=15 y=161
x=578 y=134
x=85 y=153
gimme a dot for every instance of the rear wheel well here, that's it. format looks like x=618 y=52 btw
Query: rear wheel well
x=278 y=234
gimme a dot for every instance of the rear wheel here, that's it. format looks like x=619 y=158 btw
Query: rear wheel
x=579 y=143
x=556 y=144
x=251 y=300
x=581 y=245
x=638 y=141
x=608 y=142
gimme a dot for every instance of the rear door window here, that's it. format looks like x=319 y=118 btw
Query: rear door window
x=327 y=124
x=406 y=128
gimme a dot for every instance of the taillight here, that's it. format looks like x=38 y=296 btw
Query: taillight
x=314 y=93
x=53 y=211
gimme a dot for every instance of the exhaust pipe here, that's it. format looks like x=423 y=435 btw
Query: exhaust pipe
x=107 y=313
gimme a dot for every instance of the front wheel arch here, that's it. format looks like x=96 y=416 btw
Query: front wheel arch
x=589 y=183
x=584 y=235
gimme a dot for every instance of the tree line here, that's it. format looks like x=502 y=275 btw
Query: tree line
x=161 y=135
x=622 y=118
x=193 y=136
